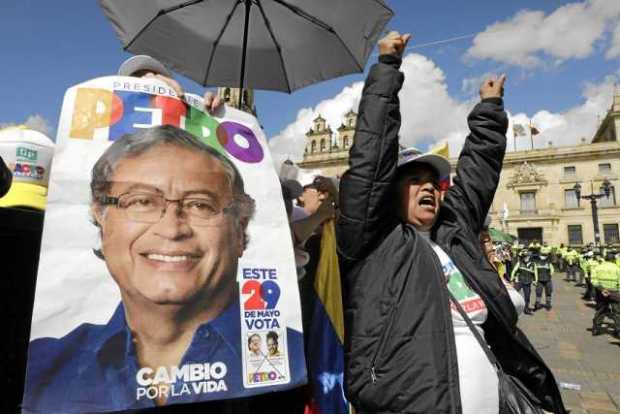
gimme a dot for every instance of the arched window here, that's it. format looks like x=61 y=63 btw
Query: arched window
x=313 y=148
x=346 y=142
x=322 y=145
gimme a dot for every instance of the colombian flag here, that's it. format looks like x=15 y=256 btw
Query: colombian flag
x=325 y=344
x=443 y=150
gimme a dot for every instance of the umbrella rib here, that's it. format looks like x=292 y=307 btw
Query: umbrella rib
x=217 y=41
x=275 y=42
x=158 y=15
x=301 y=13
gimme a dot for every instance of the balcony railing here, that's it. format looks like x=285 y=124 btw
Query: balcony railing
x=544 y=212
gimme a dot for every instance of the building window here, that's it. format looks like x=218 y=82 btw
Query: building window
x=570 y=171
x=604 y=168
x=313 y=150
x=611 y=233
x=607 y=201
x=322 y=145
x=346 y=142
x=575 y=236
x=570 y=199
x=528 y=202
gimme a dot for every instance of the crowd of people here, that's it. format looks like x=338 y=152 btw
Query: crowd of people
x=594 y=268
x=431 y=302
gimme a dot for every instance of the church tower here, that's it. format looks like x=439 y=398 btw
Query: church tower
x=346 y=131
x=319 y=137
x=230 y=96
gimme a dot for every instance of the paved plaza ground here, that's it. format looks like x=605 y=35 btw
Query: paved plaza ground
x=562 y=336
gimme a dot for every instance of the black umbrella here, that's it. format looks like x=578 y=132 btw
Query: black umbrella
x=278 y=45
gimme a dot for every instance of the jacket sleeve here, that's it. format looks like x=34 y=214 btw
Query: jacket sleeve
x=480 y=164
x=365 y=200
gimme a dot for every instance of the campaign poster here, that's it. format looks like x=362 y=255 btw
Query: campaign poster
x=167 y=273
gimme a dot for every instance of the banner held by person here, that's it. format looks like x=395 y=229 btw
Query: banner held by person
x=166 y=273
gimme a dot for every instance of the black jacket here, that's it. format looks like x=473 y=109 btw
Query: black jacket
x=524 y=272
x=399 y=341
x=6 y=178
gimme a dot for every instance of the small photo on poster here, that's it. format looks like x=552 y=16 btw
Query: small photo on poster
x=266 y=359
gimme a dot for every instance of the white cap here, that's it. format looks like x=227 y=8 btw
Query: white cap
x=28 y=154
x=437 y=162
x=143 y=62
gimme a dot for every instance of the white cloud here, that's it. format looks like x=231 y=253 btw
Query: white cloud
x=614 y=50
x=430 y=115
x=35 y=122
x=38 y=123
x=570 y=32
x=428 y=111
x=291 y=141
x=572 y=126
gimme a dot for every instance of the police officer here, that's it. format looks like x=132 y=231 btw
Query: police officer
x=522 y=276
x=606 y=281
x=571 y=258
x=562 y=250
x=543 y=271
x=590 y=262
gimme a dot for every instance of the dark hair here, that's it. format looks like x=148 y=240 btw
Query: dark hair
x=273 y=336
x=138 y=143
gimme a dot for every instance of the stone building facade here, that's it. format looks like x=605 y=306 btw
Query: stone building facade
x=327 y=151
x=536 y=199
x=537 y=189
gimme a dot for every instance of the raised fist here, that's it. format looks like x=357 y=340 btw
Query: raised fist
x=493 y=88
x=393 y=44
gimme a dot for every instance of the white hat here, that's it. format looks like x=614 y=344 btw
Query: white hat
x=143 y=62
x=28 y=154
x=437 y=162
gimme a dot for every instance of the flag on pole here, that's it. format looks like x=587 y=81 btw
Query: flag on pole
x=519 y=130
x=505 y=212
x=325 y=347
x=443 y=150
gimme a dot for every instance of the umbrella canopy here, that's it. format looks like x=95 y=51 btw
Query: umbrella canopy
x=500 y=236
x=278 y=45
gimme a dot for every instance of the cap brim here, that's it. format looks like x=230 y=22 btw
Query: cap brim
x=437 y=162
x=143 y=63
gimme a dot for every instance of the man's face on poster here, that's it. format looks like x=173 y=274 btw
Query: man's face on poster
x=254 y=344
x=174 y=260
x=272 y=346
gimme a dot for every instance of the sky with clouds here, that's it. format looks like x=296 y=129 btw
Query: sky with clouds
x=562 y=60
x=561 y=57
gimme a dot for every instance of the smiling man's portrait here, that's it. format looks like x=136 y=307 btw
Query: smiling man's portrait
x=172 y=215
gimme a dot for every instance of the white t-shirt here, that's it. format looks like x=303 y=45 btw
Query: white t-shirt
x=477 y=377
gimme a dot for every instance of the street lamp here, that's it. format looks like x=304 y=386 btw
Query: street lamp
x=593 y=197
